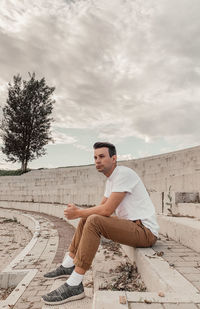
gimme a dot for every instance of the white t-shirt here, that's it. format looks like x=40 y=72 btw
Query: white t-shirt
x=136 y=204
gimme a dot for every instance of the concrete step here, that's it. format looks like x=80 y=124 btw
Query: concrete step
x=181 y=229
x=16 y=273
x=188 y=209
x=167 y=269
x=144 y=300
x=158 y=269
x=33 y=262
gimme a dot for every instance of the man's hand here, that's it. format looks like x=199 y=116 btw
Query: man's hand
x=71 y=212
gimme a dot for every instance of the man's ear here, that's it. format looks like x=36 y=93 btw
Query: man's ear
x=114 y=157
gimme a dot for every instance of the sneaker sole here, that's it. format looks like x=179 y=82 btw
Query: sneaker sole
x=75 y=297
x=53 y=278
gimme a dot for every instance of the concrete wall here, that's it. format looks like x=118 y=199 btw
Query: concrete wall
x=165 y=177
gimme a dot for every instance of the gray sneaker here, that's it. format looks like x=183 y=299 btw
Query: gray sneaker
x=64 y=294
x=60 y=272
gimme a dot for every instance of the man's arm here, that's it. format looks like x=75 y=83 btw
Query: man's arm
x=104 y=199
x=105 y=209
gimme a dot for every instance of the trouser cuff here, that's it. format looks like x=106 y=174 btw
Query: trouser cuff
x=81 y=264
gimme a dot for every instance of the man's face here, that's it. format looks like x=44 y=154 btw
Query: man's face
x=104 y=163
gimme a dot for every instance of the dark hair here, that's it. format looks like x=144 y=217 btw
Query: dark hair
x=111 y=147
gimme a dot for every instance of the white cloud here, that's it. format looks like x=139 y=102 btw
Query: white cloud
x=62 y=138
x=124 y=68
x=124 y=157
x=83 y=147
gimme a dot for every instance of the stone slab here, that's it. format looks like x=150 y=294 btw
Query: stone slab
x=107 y=300
x=183 y=230
x=19 y=290
x=188 y=209
x=157 y=273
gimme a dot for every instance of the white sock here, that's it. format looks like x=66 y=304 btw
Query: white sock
x=68 y=261
x=74 y=279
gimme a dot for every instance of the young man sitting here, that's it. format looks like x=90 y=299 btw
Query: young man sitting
x=133 y=224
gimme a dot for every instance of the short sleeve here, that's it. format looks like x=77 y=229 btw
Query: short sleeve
x=125 y=181
x=107 y=190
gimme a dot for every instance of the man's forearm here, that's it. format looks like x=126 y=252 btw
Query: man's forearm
x=106 y=209
x=98 y=210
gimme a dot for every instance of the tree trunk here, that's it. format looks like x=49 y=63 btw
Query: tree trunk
x=24 y=166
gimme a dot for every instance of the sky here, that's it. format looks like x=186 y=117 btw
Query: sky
x=125 y=71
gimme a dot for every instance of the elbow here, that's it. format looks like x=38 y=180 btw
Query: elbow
x=107 y=213
x=106 y=210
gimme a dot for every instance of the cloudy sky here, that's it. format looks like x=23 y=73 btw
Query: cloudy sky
x=125 y=71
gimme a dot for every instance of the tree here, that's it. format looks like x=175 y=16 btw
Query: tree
x=25 y=127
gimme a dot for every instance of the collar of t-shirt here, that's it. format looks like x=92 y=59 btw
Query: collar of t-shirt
x=113 y=173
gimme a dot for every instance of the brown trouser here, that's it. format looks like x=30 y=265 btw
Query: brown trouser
x=88 y=233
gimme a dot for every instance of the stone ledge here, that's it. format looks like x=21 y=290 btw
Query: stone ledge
x=20 y=288
x=108 y=299
x=188 y=209
x=19 y=277
x=32 y=224
x=181 y=229
x=157 y=273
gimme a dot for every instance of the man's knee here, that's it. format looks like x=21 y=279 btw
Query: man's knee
x=94 y=219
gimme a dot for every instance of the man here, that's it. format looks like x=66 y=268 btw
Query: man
x=134 y=223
